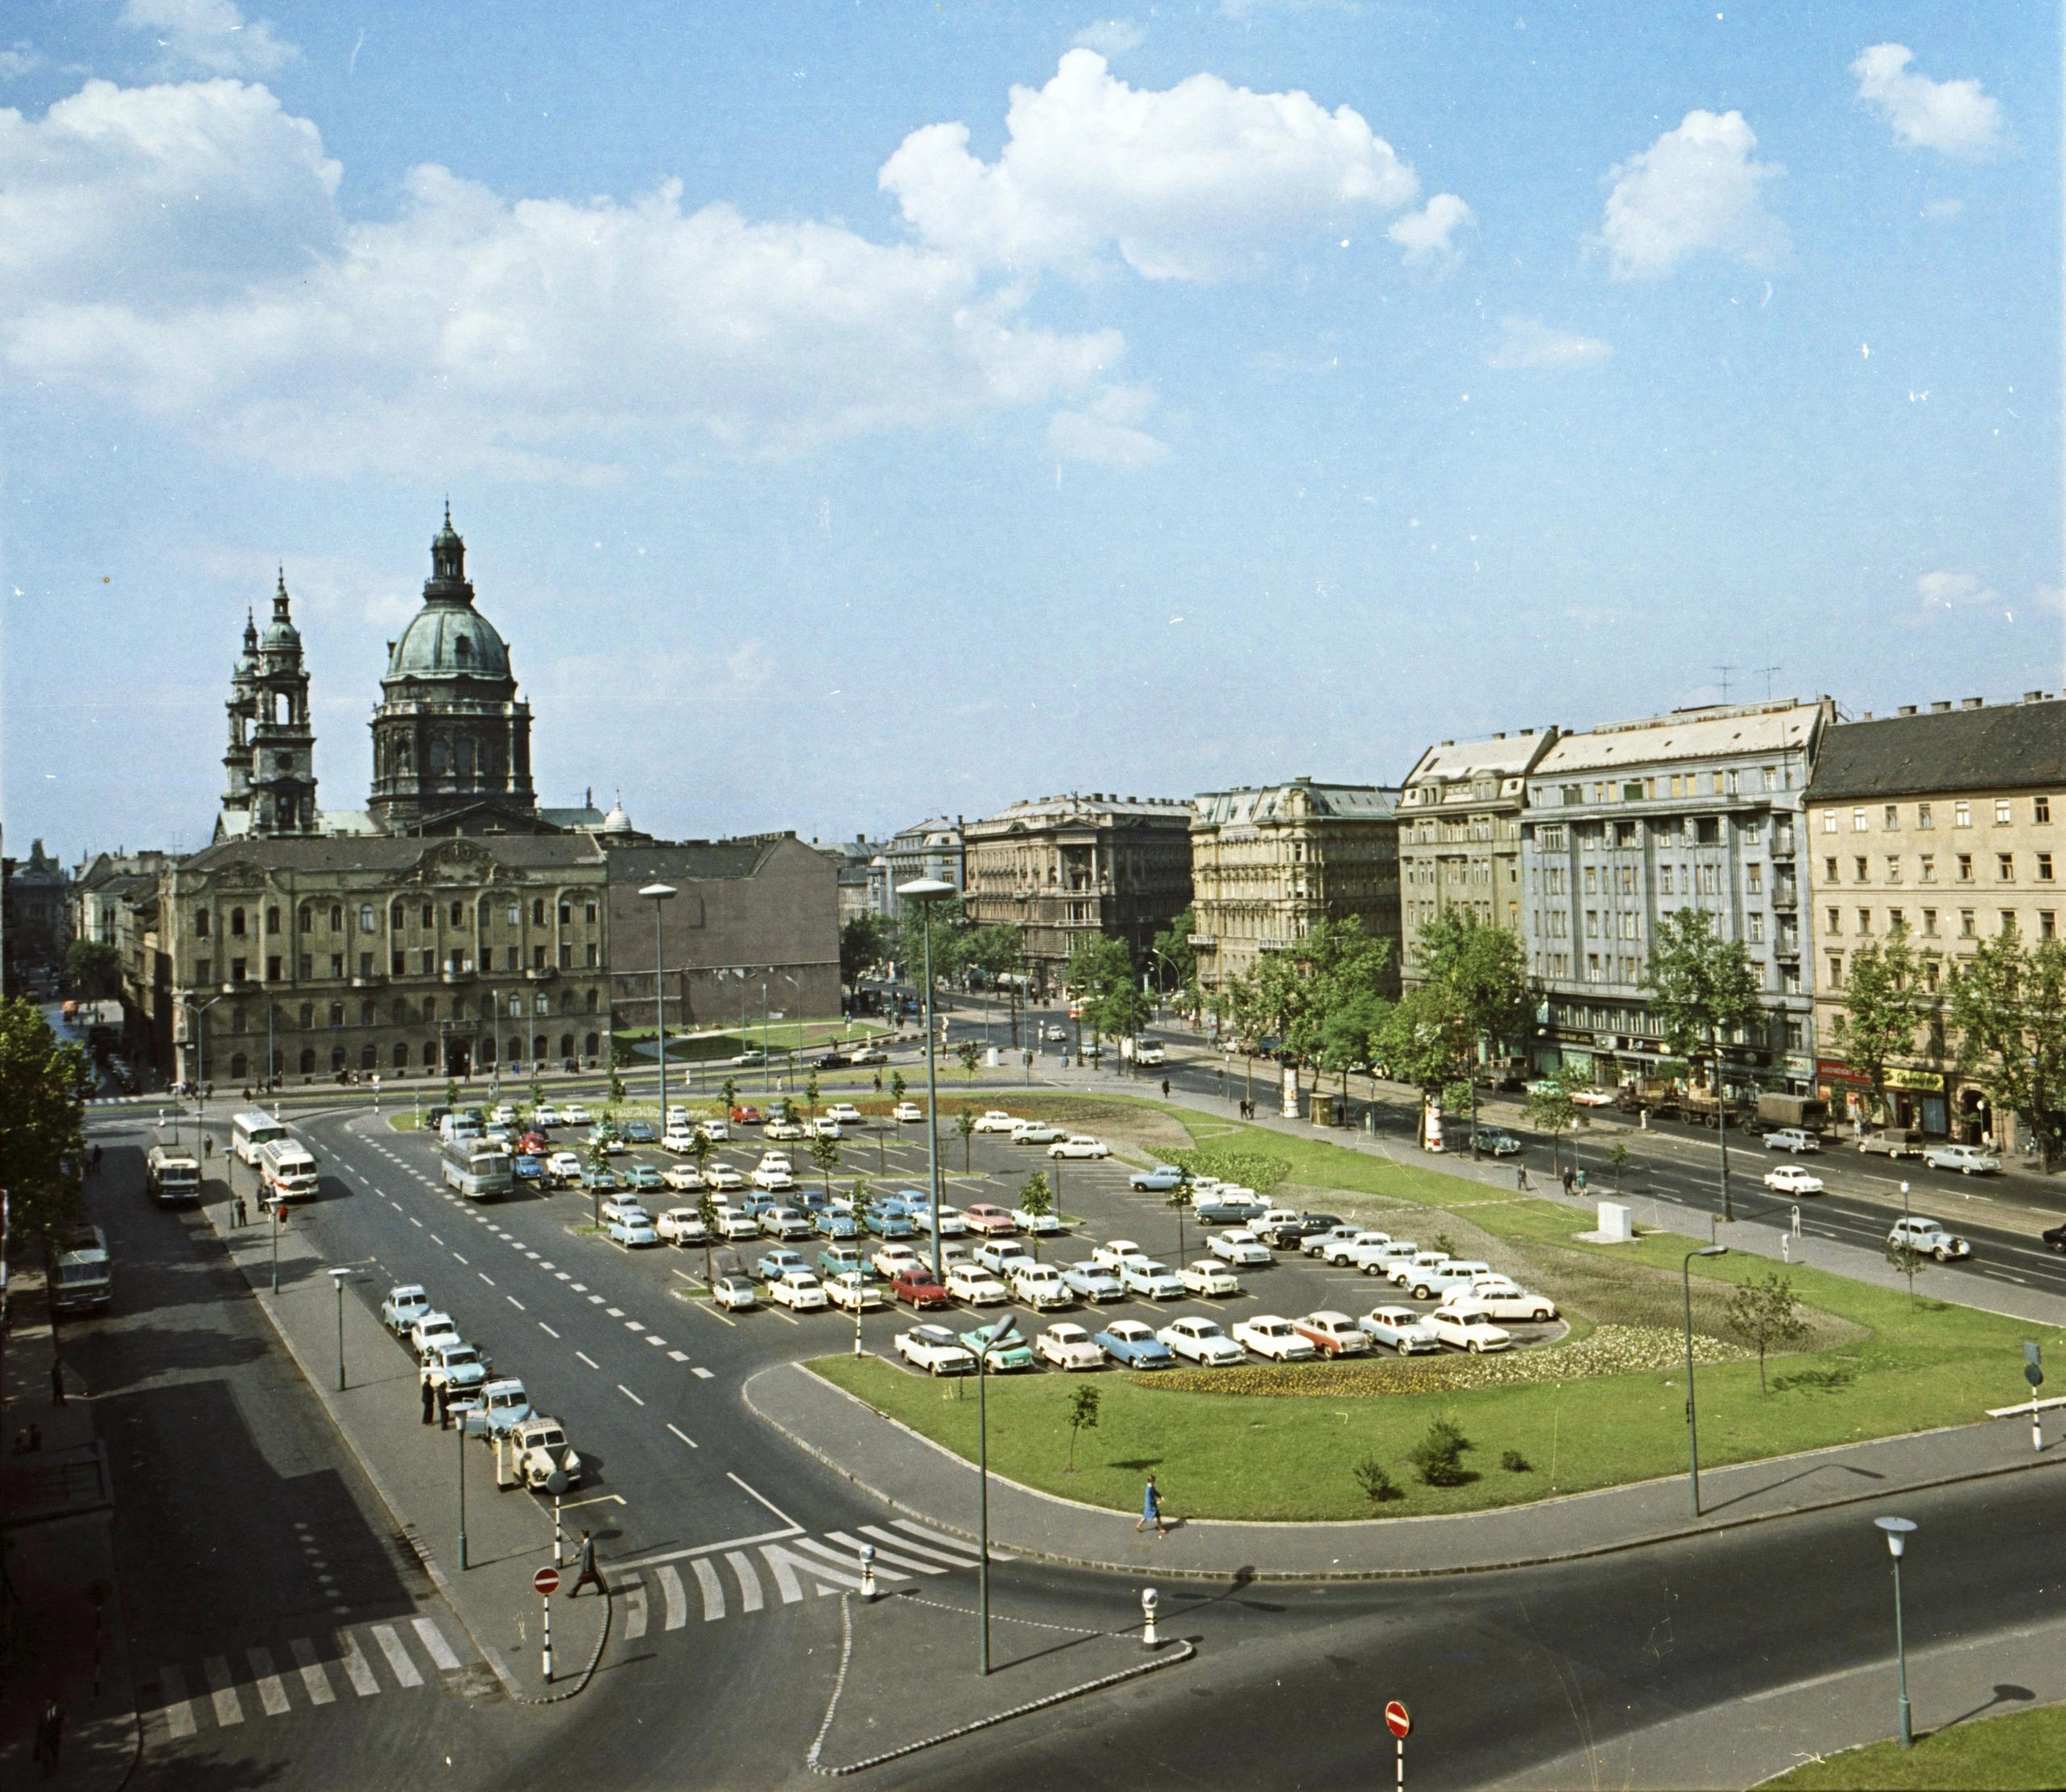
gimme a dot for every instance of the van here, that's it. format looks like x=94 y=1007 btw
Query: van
x=461 y=1123
x=289 y=1169
x=171 y=1175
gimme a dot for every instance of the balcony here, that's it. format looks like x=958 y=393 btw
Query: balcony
x=371 y=980
x=1786 y=894
x=1783 y=843
x=456 y=973
x=539 y=973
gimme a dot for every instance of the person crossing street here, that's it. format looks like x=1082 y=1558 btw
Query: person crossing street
x=589 y=1574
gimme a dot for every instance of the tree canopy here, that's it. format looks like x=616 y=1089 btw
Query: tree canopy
x=43 y=1086
x=2008 y=1005
x=1883 y=1003
x=1702 y=987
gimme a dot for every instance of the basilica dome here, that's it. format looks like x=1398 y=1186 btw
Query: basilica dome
x=444 y=640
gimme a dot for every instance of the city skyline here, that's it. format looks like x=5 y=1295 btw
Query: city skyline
x=988 y=397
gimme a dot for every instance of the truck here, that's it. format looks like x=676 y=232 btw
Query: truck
x=82 y=1281
x=1806 y=1112
x=1699 y=1105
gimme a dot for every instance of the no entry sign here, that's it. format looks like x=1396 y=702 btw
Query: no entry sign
x=546 y=1581
x=1397 y=1721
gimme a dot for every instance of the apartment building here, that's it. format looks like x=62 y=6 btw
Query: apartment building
x=1945 y=824
x=1627 y=822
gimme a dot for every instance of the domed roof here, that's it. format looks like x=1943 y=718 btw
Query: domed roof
x=616 y=822
x=449 y=640
x=281 y=635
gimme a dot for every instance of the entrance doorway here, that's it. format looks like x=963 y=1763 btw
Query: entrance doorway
x=458 y=1057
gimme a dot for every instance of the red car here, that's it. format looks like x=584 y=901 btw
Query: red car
x=746 y=1117
x=535 y=1143
x=917 y=1286
x=983 y=1217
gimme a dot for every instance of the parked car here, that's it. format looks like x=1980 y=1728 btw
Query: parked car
x=1038 y=1225
x=1347 y=1252
x=1403 y=1271
x=607 y=1138
x=1036 y=1132
x=745 y=1114
x=682 y=1178
x=1503 y=1299
x=1069 y=1347
x=995 y=1121
x=1113 y=1251
x=640 y=1132
x=735 y=1293
x=783 y=1130
x=853 y=1289
x=1791 y=1179
x=407 y=1302
x=907 y=1113
x=458 y=1367
x=1795 y=1140
x=916 y=1286
x=1039 y=1285
x=617 y=1207
x=951 y=1224
x=1201 y=1341
x=722 y=1178
x=430 y=1329
x=1928 y=1239
x=973 y=1283
x=1132 y=1346
x=681 y=1226
x=1002 y=1256
x=1968 y=1160
x=936 y=1350
x=599 y=1178
x=776 y=1263
x=889 y=1261
x=798 y=1290
x=642 y=1178
x=1274 y=1338
x=835 y=1223
x=1315 y=1243
x=886 y=1221
x=1495 y=1142
x=534 y=1143
x=983 y=1217
x=716 y=1130
x=1244 y=1250
x=1080 y=1145
x=845 y=1112
x=734 y=1225
x=1228 y=1205
x=1091 y=1281
x=563 y=1169
x=1157 y=1181
x=1891 y=1142
x=1386 y=1258
x=1209 y=1277
x=1016 y=1353
x=869 y=1055
x=1431 y=1283
x=1468 y=1326
x=1150 y=1279
x=1333 y=1334
x=785 y=1222
x=499 y=1408
x=1402 y=1329
x=545 y=1114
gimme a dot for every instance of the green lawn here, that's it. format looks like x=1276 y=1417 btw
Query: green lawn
x=2021 y=1752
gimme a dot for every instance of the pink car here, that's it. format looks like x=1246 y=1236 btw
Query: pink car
x=985 y=1218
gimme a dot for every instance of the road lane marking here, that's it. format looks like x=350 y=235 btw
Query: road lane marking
x=462 y=1259
x=970 y=1551
x=227 y=1709
x=413 y=1220
x=517 y=1304
x=399 y=1663
x=632 y=1324
x=749 y=1582
x=595 y=1300
x=713 y=1589
x=581 y=1288
x=614 y=1312
x=437 y=1240
x=911 y=1547
x=628 y=1395
x=178 y=1713
x=683 y=1435
x=271 y=1694
x=634 y=1617
x=677 y=1601
x=485 y=1277
x=700 y=1373
x=676 y=1355
x=847 y=1560
x=547 y=1266
x=353 y=1658
x=784 y=1562
x=547 y=1330
x=762 y=1499
x=312 y=1676
x=590 y=1361
x=562 y=1276
x=435 y=1646
x=651 y=1338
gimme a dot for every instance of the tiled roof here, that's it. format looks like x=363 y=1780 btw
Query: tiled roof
x=2003 y=746
x=1707 y=733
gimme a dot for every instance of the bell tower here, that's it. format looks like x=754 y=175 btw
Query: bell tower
x=282 y=760
x=243 y=708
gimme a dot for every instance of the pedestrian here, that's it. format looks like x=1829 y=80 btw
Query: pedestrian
x=429 y=1398
x=1520 y=1177
x=1165 y=1089
x=208 y=1147
x=444 y=1405
x=589 y=1574
x=57 y=1381
x=878 y=1082
x=1581 y=1179
x=1151 y=1508
x=1569 y=1180
x=50 y=1738
x=96 y=1157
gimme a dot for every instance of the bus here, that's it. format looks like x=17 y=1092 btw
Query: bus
x=249 y=1134
x=479 y=1168
x=288 y=1169
x=83 y=1282
x=173 y=1175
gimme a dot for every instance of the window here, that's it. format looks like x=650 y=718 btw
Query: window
x=1829 y=820
x=591 y=1007
x=2040 y=808
x=591 y=914
x=401 y=963
x=459 y=910
x=567 y=1045
x=1592 y=924
x=1830 y=871
x=1865 y=921
x=430 y=1055
x=1710 y=880
x=1896 y=920
x=566 y=914
x=1664 y=880
x=337 y=918
x=401 y=1056
x=538 y=958
x=1962 y=815
x=2044 y=867
x=1835 y=917
x=538 y=916
x=542 y=1004
x=1836 y=971
x=272 y=969
x=237 y=969
x=1928 y=863
x=566 y=955
x=429 y=916
x=394 y=916
x=1756 y=920
x=366 y=917
x=1893 y=867
x=336 y=964
x=1732 y=783
x=2004 y=812
x=1930 y=922
x=307 y=1061
x=336 y=1014
x=2045 y=928
x=1925 y=816
x=430 y=960
x=1754 y=878
x=1965 y=925
x=366 y=964
x=1858 y=873
x=592 y=952
x=1592 y=968
x=515 y=914
x=2005 y=867
x=365 y=1014
x=1894 y=816
x=307 y=966
x=1592 y=881
x=486 y=911
x=1858 y=820
x=272 y=921
x=201 y=923
x=1965 y=868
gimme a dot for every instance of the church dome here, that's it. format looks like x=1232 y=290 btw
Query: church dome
x=281 y=636
x=616 y=822
x=449 y=640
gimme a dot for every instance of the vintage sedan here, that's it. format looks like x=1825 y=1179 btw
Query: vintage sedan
x=1043 y=1225
x=406 y=1303
x=681 y=1226
x=1274 y=1338
x=951 y=1224
x=1229 y=1205
x=632 y=1230
x=1091 y=1280
x=1157 y=1181
x=889 y=1261
x=1150 y=1279
x=776 y=1263
x=1201 y=1341
x=1244 y=1250
x=1132 y=1346
x=620 y=1207
x=798 y=1290
x=1468 y=1326
x=1792 y=1179
x=683 y=1179
x=785 y=1222
x=973 y=1283
x=984 y=1218
x=907 y=1114
x=1968 y=1160
x=722 y=1179
x=1002 y=1256
x=888 y=1222
x=1333 y=1334
x=1929 y=1238
x=776 y=1177
x=995 y=1121
x=1209 y=1276
x=917 y=1287
x=1402 y=1329
x=851 y=1291
x=1014 y=1354
x=735 y=1293
x=1035 y=1132
x=1504 y=1300
x=1080 y=1145
x=1039 y=1285
x=1069 y=1347
x=643 y=1178
x=1115 y=1252
x=936 y=1350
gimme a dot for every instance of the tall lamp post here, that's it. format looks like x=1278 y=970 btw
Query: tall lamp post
x=1005 y=1332
x=659 y=894
x=925 y=892
x=197 y=1010
x=1721 y=1130
x=1692 y=1430
x=340 y=1277
x=1898 y=1531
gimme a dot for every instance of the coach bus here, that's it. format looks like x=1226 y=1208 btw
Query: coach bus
x=83 y=1282
x=249 y=1134
x=288 y=1169
x=481 y=1169
x=173 y=1175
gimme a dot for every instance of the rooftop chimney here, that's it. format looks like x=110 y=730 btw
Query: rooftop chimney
x=1500 y=734
x=1971 y=703
x=2033 y=697
x=1906 y=709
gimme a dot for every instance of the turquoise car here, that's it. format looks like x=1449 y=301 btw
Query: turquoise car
x=642 y=1177
x=1017 y=1355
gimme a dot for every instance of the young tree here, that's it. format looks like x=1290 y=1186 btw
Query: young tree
x=1035 y=1200
x=824 y=1154
x=1702 y=988
x=810 y=1095
x=43 y=1086
x=1549 y=1108
x=1426 y=1041
x=965 y=1125
x=1884 y=1002
x=1000 y=953
x=1910 y=1262
x=1765 y=1315
x=970 y=1054
x=2007 y=1003
x=706 y=1210
x=731 y=1094
x=1082 y=1417
x=1100 y=976
x=93 y=970
x=699 y=1149
x=1480 y=974
x=897 y=1086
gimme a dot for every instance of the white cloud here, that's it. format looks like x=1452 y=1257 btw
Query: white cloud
x=1425 y=235
x=1697 y=189
x=1196 y=182
x=1955 y=117
x=178 y=250
x=210 y=36
x=23 y=58
x=1939 y=210
x=1953 y=591
x=1106 y=431
x=1524 y=342
x=1111 y=37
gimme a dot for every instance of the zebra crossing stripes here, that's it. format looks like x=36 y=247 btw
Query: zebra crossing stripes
x=313 y=1678
x=749 y=1582
x=399 y=1663
x=713 y=1590
x=677 y=1603
x=634 y=1615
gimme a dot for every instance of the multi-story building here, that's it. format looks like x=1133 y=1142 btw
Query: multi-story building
x=1945 y=825
x=1268 y=864
x=934 y=849
x=1459 y=831
x=103 y=884
x=34 y=898
x=1631 y=820
x=1062 y=869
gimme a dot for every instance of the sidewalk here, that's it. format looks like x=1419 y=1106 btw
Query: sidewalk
x=61 y=1627
x=416 y=1468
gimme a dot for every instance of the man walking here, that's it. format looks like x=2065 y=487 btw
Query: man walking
x=444 y=1405
x=590 y=1575
x=429 y=1398
x=1150 y=1509
x=49 y=1738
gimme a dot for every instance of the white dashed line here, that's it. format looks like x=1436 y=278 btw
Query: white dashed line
x=586 y=1358
x=462 y=1259
x=415 y=1222
x=547 y=1330
x=548 y=1266
x=684 y=1437
x=628 y=1395
x=676 y=1355
x=700 y=1373
x=561 y=1276
x=517 y=1304
x=631 y=1325
x=581 y=1288
x=595 y=1300
x=485 y=1277
x=614 y=1312
x=651 y=1339
x=435 y=1239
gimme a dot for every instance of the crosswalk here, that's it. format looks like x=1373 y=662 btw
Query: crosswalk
x=780 y=1572
x=225 y=1693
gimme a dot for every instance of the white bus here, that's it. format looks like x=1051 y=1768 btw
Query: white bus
x=249 y=1134
x=173 y=1175
x=479 y=1168
x=83 y=1282
x=288 y=1168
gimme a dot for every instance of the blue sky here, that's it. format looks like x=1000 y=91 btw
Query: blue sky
x=858 y=412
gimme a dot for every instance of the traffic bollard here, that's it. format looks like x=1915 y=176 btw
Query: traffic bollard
x=1148 y=1600
x=867 y=1571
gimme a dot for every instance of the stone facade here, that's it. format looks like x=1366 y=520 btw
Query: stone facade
x=1946 y=824
x=34 y=895
x=1268 y=865
x=1062 y=869
x=1628 y=821
x=934 y=848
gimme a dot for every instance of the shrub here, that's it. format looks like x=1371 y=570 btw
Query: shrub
x=1445 y=1244
x=1376 y=1481
x=1438 y=1457
x=1514 y=1462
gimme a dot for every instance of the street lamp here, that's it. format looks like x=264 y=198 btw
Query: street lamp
x=340 y=1277
x=1005 y=1332
x=660 y=893
x=1692 y=1432
x=198 y=1009
x=925 y=892
x=1897 y=1530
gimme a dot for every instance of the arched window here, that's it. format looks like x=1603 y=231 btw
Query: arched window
x=366 y=917
x=308 y=1060
x=591 y=1001
x=463 y=650
x=337 y=1057
x=394 y=916
x=306 y=918
x=538 y=1048
x=541 y=1003
x=401 y=1056
x=487 y=912
x=567 y=1045
x=430 y=1055
x=590 y=1047
x=239 y=1068
x=436 y=758
x=465 y=752
x=459 y=914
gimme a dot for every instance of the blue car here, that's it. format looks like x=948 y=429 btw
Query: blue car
x=832 y=1223
x=774 y=1264
x=1158 y=1181
x=599 y=1178
x=888 y=1222
x=1229 y=1210
x=640 y=1132
x=1132 y=1346
x=1092 y=1282
x=529 y=1168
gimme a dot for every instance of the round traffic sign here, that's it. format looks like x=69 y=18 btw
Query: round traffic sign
x=546 y=1581
x=1397 y=1721
x=2033 y=1375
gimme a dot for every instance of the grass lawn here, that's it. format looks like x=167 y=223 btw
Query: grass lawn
x=2023 y=1749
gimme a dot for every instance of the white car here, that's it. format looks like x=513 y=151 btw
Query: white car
x=1406 y=1268
x=851 y=1290
x=504 y=1114
x=1068 y=1347
x=684 y=1179
x=1244 y=1250
x=973 y=1283
x=1208 y=1276
x=1035 y=1132
x=681 y=1140
x=1928 y=1239
x=1467 y=1326
x=718 y=1132
x=1792 y=1139
x=1269 y=1336
x=1791 y=1179
x=934 y=1349
x=951 y=1224
x=908 y=1112
x=722 y=1178
x=798 y=1290
x=889 y=1261
x=617 y=1207
x=1111 y=1253
x=573 y=1115
x=1386 y=1258
x=610 y=1141
x=734 y=1225
x=635 y=1229
x=1079 y=1145
x=406 y=1303
x=776 y=1178
x=1402 y=1329
x=1201 y=1341
x=845 y=1112
x=1349 y=1250
x=1004 y=1258
x=1968 y=1160
x=825 y=1126
x=736 y=1293
x=545 y=1114
x=783 y=1130
x=1502 y=1300
x=1039 y=1285
x=1433 y=1283
x=1333 y=1334
x=680 y=1226
x=995 y=1121
x=564 y=1166
x=1039 y=1225
x=1335 y=1238
x=1152 y=1280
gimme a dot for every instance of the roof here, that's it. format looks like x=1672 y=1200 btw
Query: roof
x=1094 y=810
x=1501 y=756
x=380 y=852
x=2004 y=746
x=1713 y=731
x=1301 y=798
x=449 y=641
x=694 y=861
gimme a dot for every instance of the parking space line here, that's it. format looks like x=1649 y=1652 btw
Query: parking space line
x=683 y=1435
x=590 y=1361
x=485 y=1277
x=517 y=1304
x=547 y=1330
x=700 y=1373
x=462 y=1259
x=628 y=1395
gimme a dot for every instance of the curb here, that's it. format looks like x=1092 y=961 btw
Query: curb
x=1679 y=1534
